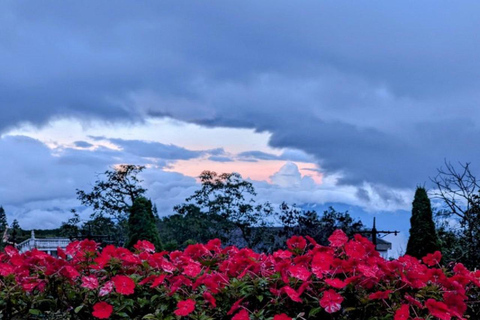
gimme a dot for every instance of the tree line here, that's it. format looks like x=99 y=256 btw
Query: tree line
x=225 y=207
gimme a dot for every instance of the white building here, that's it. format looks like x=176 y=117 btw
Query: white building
x=48 y=245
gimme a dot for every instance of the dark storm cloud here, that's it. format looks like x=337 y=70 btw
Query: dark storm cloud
x=150 y=149
x=82 y=144
x=378 y=91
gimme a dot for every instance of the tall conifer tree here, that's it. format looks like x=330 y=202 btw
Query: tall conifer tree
x=3 y=219
x=423 y=237
x=141 y=224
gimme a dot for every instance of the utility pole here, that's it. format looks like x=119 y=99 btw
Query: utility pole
x=375 y=233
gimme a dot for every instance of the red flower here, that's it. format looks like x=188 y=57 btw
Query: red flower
x=124 y=285
x=70 y=272
x=438 y=309
x=294 y=295
x=299 y=272
x=6 y=269
x=208 y=297
x=432 y=259
x=336 y=283
x=102 y=310
x=455 y=303
x=338 y=238
x=184 y=308
x=144 y=246
x=158 y=281
x=321 y=263
x=282 y=316
x=192 y=269
x=234 y=307
x=331 y=301
x=380 y=295
x=296 y=242
x=89 y=282
x=402 y=313
x=242 y=315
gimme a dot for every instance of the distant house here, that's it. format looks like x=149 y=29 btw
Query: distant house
x=48 y=245
x=382 y=246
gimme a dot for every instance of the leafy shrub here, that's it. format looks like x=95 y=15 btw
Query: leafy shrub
x=347 y=280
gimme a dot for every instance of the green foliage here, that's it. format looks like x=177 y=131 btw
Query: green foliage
x=141 y=224
x=3 y=228
x=3 y=219
x=178 y=230
x=16 y=235
x=230 y=197
x=115 y=194
x=309 y=223
x=423 y=238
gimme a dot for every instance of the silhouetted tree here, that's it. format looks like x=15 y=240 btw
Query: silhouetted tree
x=296 y=221
x=459 y=190
x=141 y=224
x=16 y=231
x=423 y=237
x=232 y=198
x=115 y=194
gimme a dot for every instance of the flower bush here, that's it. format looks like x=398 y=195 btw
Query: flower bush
x=347 y=280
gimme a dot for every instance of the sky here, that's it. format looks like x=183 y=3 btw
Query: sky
x=315 y=102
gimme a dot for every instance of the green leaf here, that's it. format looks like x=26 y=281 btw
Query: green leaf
x=35 y=312
x=77 y=309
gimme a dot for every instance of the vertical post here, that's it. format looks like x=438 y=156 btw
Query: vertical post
x=374 y=234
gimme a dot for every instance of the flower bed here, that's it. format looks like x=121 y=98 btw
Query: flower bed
x=346 y=280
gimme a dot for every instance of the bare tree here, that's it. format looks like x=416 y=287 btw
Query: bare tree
x=459 y=189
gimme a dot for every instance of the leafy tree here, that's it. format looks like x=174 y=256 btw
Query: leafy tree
x=71 y=228
x=178 y=230
x=16 y=232
x=114 y=195
x=459 y=191
x=232 y=198
x=141 y=224
x=296 y=221
x=3 y=219
x=3 y=227
x=423 y=237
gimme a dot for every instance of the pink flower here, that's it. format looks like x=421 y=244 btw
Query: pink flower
x=144 y=246
x=331 y=301
x=106 y=289
x=282 y=316
x=89 y=282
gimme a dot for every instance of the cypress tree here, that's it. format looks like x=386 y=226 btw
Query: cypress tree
x=3 y=219
x=423 y=237
x=141 y=224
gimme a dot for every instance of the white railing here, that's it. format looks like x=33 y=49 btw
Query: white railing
x=50 y=244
